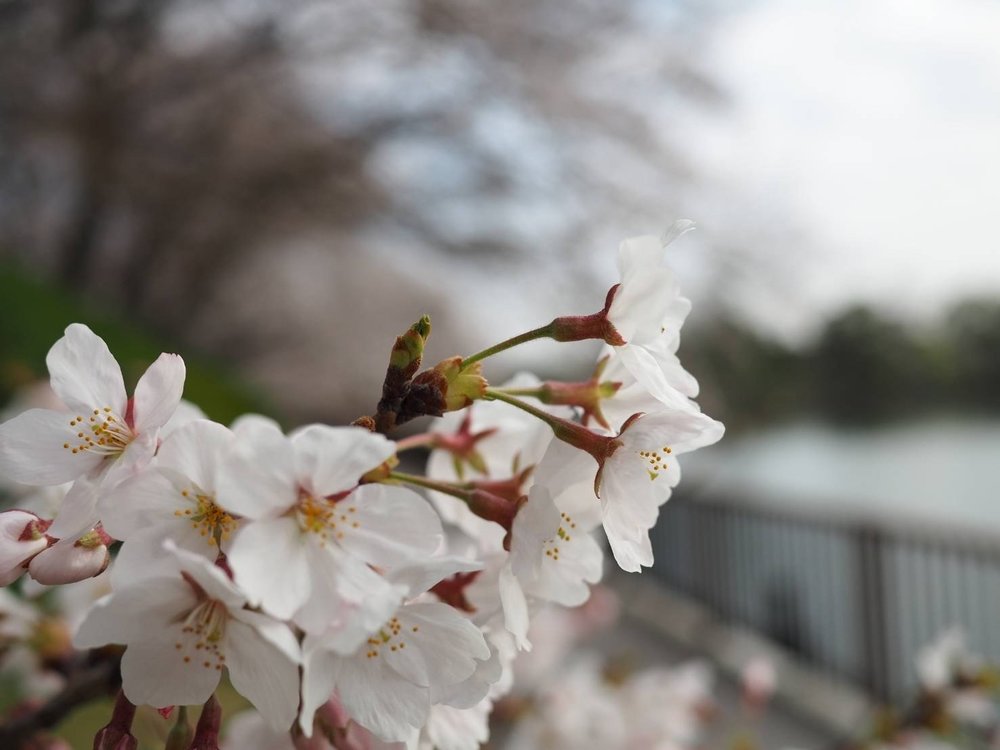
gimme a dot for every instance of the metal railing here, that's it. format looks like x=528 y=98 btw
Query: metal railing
x=856 y=599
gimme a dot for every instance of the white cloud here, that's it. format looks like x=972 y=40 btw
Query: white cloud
x=877 y=123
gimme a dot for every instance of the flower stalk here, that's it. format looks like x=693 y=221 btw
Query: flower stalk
x=597 y=446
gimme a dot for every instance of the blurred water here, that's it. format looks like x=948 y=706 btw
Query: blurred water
x=932 y=471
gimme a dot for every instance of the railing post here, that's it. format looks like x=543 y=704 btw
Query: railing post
x=872 y=606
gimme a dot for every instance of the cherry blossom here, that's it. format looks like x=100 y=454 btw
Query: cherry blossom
x=422 y=652
x=312 y=534
x=647 y=312
x=303 y=564
x=173 y=499
x=640 y=474
x=182 y=627
x=102 y=438
x=552 y=558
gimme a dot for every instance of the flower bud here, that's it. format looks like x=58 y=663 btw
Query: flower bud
x=69 y=561
x=409 y=348
x=462 y=385
x=22 y=536
x=206 y=735
x=117 y=734
x=181 y=734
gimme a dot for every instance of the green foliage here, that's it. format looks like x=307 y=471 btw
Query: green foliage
x=862 y=368
x=35 y=315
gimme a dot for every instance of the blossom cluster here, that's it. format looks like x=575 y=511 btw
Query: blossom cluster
x=306 y=567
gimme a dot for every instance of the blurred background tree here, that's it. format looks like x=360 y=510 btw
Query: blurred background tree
x=275 y=183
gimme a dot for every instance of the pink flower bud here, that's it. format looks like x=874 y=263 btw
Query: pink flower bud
x=206 y=734
x=69 y=560
x=117 y=734
x=22 y=536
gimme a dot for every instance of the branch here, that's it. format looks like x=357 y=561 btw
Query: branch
x=93 y=681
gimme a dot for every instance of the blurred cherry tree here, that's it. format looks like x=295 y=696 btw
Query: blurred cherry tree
x=259 y=178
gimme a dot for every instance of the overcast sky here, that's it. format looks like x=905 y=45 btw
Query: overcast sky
x=874 y=125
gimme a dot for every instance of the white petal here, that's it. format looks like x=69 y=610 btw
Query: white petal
x=442 y=646
x=248 y=425
x=566 y=470
x=424 y=573
x=472 y=690
x=32 y=448
x=66 y=562
x=629 y=544
x=277 y=634
x=263 y=673
x=678 y=229
x=212 y=579
x=389 y=526
x=457 y=729
x=565 y=580
x=136 y=457
x=196 y=451
x=269 y=562
x=155 y=672
x=379 y=699
x=83 y=372
x=79 y=510
x=333 y=459
x=144 y=500
x=348 y=600
x=640 y=304
x=647 y=371
x=681 y=430
x=184 y=413
x=132 y=612
x=143 y=554
x=257 y=479
x=14 y=550
x=644 y=252
x=515 y=608
x=535 y=523
x=158 y=392
x=319 y=674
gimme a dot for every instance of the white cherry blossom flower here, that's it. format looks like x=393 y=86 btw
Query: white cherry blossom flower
x=311 y=536
x=104 y=437
x=173 y=499
x=647 y=295
x=640 y=474
x=388 y=686
x=183 y=627
x=552 y=557
x=637 y=471
x=647 y=311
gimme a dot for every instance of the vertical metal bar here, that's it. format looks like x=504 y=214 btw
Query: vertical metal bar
x=870 y=547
